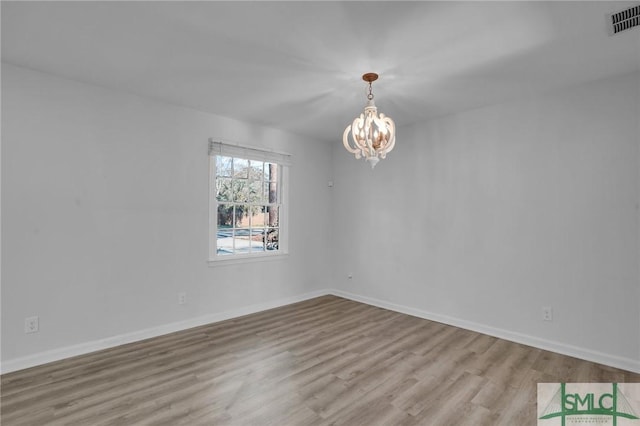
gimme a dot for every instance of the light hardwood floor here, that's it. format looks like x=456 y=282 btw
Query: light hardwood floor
x=325 y=361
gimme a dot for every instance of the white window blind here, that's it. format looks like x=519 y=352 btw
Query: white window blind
x=258 y=154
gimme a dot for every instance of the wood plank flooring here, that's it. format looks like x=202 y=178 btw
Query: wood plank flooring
x=325 y=361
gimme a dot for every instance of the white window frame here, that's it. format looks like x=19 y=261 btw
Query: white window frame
x=216 y=147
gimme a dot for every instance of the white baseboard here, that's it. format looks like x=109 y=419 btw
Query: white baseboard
x=96 y=345
x=536 y=342
x=110 y=342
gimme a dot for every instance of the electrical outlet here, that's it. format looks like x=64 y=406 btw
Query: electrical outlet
x=547 y=313
x=31 y=325
x=182 y=298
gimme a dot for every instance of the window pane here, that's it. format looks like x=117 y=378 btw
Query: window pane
x=241 y=216
x=240 y=168
x=225 y=216
x=257 y=218
x=223 y=166
x=224 y=191
x=272 y=239
x=271 y=172
x=242 y=241
x=224 y=236
x=224 y=241
x=257 y=239
x=271 y=189
x=240 y=191
x=273 y=219
x=255 y=191
x=255 y=170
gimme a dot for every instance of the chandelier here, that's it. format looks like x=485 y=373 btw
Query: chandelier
x=372 y=135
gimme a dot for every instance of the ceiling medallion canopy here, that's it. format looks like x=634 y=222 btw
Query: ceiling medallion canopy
x=373 y=135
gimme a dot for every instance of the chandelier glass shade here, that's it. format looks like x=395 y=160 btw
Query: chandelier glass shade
x=371 y=135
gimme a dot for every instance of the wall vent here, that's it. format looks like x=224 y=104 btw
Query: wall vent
x=625 y=20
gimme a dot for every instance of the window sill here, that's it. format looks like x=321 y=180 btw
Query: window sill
x=234 y=260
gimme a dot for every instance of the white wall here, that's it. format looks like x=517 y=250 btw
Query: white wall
x=481 y=218
x=105 y=216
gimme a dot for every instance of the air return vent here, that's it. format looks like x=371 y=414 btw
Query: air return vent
x=625 y=19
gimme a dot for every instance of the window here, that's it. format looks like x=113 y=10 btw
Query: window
x=247 y=202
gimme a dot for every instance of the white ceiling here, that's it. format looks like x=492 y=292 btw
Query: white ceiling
x=298 y=65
